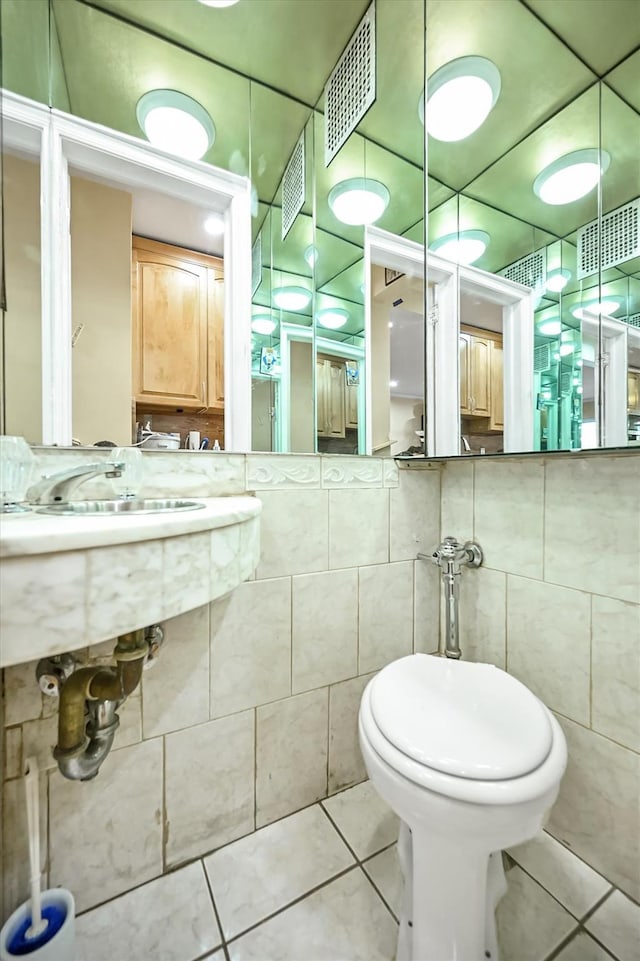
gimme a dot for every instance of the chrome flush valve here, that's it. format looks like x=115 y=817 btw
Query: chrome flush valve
x=451 y=551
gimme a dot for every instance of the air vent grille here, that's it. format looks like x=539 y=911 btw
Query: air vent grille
x=256 y=264
x=351 y=88
x=541 y=358
x=566 y=381
x=634 y=320
x=620 y=240
x=531 y=271
x=293 y=187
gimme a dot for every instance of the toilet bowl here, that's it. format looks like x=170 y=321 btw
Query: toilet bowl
x=471 y=762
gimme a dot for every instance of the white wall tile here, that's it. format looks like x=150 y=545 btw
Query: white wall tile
x=346 y=766
x=251 y=646
x=592 y=517
x=548 y=644
x=186 y=474
x=291 y=771
x=22 y=696
x=508 y=515
x=114 y=820
x=324 y=628
x=358 y=527
x=39 y=739
x=597 y=812
x=483 y=615
x=456 y=507
x=176 y=688
x=386 y=614
x=415 y=515
x=124 y=581
x=285 y=514
x=427 y=594
x=615 y=667
x=209 y=786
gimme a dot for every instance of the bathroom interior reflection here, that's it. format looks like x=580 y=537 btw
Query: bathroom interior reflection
x=326 y=375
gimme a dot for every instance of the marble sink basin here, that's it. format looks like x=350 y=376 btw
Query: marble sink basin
x=123 y=507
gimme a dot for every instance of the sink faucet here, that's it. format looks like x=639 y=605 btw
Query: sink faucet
x=57 y=488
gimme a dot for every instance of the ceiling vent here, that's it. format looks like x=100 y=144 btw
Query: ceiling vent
x=620 y=240
x=531 y=271
x=541 y=358
x=256 y=264
x=293 y=187
x=634 y=320
x=351 y=88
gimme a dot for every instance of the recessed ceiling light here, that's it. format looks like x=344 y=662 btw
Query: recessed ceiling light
x=176 y=123
x=291 y=298
x=393 y=383
x=596 y=308
x=359 y=201
x=570 y=177
x=557 y=280
x=464 y=247
x=550 y=328
x=311 y=255
x=218 y=3
x=262 y=324
x=332 y=317
x=214 y=224
x=460 y=96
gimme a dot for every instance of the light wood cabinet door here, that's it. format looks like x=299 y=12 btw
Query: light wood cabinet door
x=480 y=377
x=633 y=390
x=178 y=327
x=351 y=406
x=465 y=360
x=330 y=398
x=496 y=421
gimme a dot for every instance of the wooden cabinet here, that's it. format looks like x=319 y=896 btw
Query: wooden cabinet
x=481 y=380
x=633 y=390
x=351 y=406
x=178 y=327
x=330 y=392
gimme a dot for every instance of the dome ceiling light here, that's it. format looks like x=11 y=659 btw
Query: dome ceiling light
x=214 y=224
x=596 y=308
x=291 y=298
x=332 y=317
x=557 y=280
x=176 y=123
x=263 y=324
x=571 y=177
x=551 y=327
x=464 y=247
x=461 y=94
x=359 y=201
x=311 y=255
x=218 y=3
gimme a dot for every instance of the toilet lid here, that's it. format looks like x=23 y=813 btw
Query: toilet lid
x=469 y=720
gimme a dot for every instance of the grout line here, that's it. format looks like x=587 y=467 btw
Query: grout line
x=215 y=911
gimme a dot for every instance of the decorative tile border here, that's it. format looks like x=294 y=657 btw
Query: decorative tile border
x=282 y=471
x=341 y=471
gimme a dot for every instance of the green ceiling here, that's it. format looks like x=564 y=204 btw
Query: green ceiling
x=570 y=72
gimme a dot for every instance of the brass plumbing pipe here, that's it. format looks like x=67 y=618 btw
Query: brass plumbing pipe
x=79 y=755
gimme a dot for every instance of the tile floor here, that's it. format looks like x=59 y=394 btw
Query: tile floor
x=324 y=885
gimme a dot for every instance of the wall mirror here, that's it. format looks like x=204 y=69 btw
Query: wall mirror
x=269 y=76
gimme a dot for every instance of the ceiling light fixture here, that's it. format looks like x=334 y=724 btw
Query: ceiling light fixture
x=359 y=201
x=176 y=123
x=214 y=224
x=460 y=96
x=332 y=317
x=262 y=324
x=291 y=298
x=218 y=3
x=464 y=247
x=557 y=280
x=311 y=255
x=551 y=327
x=570 y=177
x=596 y=308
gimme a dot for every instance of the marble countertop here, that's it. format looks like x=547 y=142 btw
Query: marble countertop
x=33 y=533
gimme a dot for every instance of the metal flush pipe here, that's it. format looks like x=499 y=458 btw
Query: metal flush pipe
x=450 y=557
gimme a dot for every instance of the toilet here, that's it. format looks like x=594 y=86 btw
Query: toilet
x=471 y=762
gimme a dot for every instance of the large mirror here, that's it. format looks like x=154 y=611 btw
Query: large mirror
x=322 y=106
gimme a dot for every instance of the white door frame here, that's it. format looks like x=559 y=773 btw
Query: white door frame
x=61 y=141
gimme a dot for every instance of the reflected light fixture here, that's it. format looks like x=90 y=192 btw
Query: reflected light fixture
x=596 y=308
x=551 y=327
x=311 y=255
x=176 y=123
x=570 y=177
x=332 y=317
x=263 y=324
x=218 y=3
x=359 y=201
x=568 y=345
x=464 y=247
x=460 y=96
x=557 y=280
x=291 y=298
x=393 y=383
x=214 y=224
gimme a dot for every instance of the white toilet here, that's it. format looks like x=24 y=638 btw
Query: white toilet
x=471 y=762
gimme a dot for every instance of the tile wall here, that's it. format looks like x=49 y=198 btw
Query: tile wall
x=557 y=603
x=250 y=712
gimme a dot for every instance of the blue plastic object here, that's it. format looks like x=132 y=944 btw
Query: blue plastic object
x=19 y=944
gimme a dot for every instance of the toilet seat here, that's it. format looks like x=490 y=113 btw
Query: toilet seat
x=460 y=718
x=535 y=780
